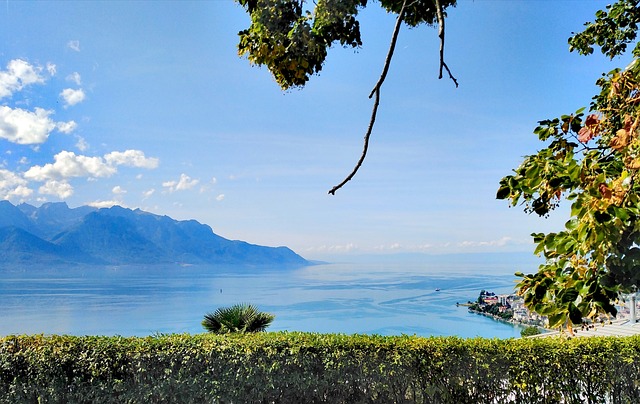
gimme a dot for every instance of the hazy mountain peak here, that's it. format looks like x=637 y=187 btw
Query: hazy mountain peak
x=119 y=235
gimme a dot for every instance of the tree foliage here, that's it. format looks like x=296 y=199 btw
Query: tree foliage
x=293 y=42
x=239 y=318
x=593 y=162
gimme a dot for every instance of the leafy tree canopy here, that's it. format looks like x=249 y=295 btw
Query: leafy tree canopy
x=593 y=162
x=292 y=41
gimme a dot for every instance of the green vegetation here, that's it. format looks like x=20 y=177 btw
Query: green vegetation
x=314 y=368
x=239 y=318
x=594 y=162
x=529 y=331
x=495 y=309
x=292 y=42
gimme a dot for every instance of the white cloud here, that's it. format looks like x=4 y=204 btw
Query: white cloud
x=67 y=164
x=51 y=68
x=18 y=75
x=105 y=204
x=72 y=97
x=24 y=127
x=20 y=192
x=118 y=190
x=12 y=185
x=220 y=198
x=392 y=247
x=82 y=144
x=334 y=248
x=184 y=183
x=75 y=78
x=206 y=187
x=492 y=243
x=74 y=45
x=132 y=158
x=61 y=189
x=147 y=194
x=66 y=127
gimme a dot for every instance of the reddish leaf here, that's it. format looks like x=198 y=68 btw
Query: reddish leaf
x=585 y=134
x=592 y=120
x=605 y=191
x=590 y=128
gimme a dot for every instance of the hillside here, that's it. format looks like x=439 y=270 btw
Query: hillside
x=56 y=234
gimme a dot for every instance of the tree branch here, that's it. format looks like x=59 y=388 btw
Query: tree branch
x=375 y=92
x=440 y=15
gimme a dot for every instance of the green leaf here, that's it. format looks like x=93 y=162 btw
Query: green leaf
x=568 y=295
x=575 y=315
x=621 y=213
x=571 y=224
x=602 y=217
x=503 y=192
x=539 y=291
x=557 y=319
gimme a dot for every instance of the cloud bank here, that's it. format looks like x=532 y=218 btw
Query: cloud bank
x=69 y=165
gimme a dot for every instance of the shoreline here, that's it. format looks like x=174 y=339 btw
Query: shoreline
x=512 y=322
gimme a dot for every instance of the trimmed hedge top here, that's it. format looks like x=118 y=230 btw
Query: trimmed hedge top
x=313 y=368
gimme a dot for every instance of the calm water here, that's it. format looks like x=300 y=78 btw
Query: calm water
x=372 y=298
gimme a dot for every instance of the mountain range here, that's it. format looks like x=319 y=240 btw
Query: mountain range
x=54 y=234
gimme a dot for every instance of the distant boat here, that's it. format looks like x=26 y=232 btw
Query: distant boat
x=437 y=289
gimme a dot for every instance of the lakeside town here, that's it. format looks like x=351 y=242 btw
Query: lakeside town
x=505 y=307
x=511 y=308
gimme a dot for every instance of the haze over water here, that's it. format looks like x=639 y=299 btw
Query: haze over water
x=371 y=297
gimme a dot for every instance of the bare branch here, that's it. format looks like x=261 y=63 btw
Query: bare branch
x=440 y=15
x=376 y=92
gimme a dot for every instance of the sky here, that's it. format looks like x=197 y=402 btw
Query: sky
x=147 y=105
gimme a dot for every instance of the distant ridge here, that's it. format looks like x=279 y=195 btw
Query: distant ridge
x=56 y=234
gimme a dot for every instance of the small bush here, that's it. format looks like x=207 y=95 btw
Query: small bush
x=529 y=331
x=239 y=318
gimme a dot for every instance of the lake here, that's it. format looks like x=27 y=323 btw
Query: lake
x=377 y=296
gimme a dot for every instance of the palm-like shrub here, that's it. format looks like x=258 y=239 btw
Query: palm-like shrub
x=241 y=318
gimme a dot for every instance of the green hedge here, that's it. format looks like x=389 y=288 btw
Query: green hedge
x=312 y=368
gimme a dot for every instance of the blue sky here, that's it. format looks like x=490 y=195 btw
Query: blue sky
x=147 y=105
